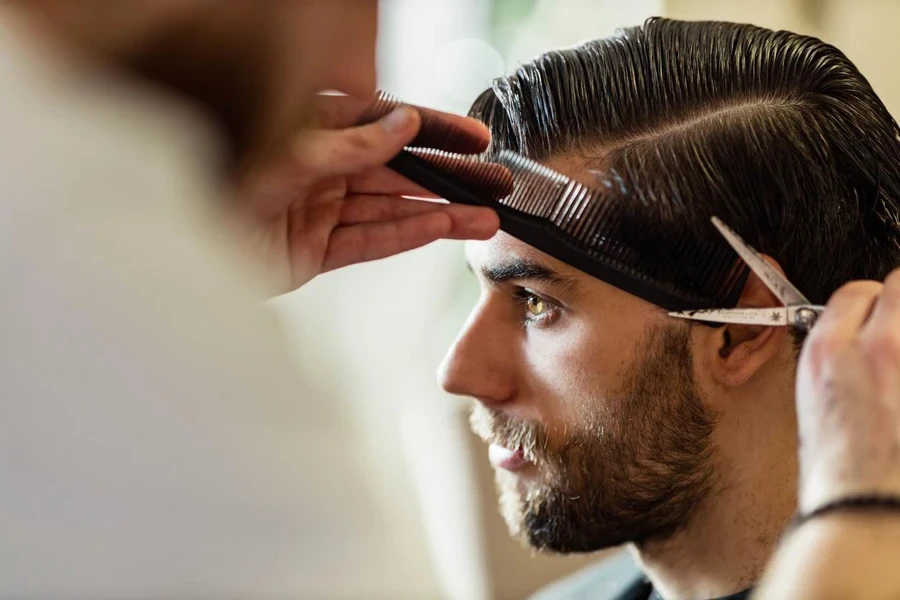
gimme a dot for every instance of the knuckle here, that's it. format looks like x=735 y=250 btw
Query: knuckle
x=358 y=140
x=327 y=112
x=854 y=290
x=823 y=345
x=883 y=345
x=893 y=278
x=314 y=150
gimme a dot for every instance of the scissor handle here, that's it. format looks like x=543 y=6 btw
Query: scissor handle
x=804 y=317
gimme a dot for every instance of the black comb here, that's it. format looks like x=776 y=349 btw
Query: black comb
x=589 y=228
x=460 y=178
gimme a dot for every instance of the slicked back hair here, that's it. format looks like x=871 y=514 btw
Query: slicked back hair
x=776 y=133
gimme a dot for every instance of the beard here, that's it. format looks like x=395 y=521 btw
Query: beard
x=633 y=468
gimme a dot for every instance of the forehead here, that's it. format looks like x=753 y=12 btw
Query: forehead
x=504 y=249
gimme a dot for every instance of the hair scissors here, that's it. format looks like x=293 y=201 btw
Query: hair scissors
x=797 y=311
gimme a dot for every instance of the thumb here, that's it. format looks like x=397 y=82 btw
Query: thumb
x=323 y=153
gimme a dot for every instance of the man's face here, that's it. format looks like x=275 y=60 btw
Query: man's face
x=586 y=394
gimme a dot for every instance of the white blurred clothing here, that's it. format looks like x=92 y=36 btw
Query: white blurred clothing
x=155 y=440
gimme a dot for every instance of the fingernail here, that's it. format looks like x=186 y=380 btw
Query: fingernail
x=398 y=120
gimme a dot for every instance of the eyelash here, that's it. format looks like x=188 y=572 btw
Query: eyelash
x=523 y=295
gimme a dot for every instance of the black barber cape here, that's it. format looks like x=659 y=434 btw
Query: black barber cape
x=616 y=578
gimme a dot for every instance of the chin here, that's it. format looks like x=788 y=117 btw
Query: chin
x=547 y=520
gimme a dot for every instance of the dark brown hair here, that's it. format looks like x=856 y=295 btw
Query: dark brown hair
x=776 y=133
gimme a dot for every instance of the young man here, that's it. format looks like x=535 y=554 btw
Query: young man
x=155 y=440
x=609 y=422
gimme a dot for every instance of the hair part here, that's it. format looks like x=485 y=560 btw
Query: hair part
x=777 y=134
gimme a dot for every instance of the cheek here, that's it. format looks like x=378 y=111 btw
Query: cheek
x=572 y=369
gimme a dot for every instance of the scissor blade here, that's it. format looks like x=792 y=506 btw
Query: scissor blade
x=778 y=315
x=783 y=289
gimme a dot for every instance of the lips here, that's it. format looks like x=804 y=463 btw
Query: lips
x=506 y=458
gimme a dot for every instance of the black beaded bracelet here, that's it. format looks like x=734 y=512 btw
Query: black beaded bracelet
x=852 y=503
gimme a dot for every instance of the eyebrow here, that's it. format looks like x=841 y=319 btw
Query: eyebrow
x=527 y=270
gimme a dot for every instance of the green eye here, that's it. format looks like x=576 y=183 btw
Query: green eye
x=536 y=306
x=536 y=311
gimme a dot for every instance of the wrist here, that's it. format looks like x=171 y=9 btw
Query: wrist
x=875 y=506
x=820 y=488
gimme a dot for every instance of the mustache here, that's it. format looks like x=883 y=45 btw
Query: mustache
x=494 y=427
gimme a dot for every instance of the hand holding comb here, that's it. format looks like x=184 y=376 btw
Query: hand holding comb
x=459 y=178
x=328 y=201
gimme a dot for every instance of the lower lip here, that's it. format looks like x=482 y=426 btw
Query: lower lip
x=504 y=458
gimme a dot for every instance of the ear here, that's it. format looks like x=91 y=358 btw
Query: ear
x=734 y=353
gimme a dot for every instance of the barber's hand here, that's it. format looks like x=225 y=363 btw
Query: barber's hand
x=848 y=396
x=331 y=202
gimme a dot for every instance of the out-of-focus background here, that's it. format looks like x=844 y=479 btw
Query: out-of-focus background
x=433 y=489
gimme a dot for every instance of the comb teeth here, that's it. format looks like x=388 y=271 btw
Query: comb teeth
x=482 y=176
x=593 y=229
x=538 y=189
x=594 y=222
x=383 y=105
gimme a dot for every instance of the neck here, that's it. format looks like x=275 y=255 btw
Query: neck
x=725 y=547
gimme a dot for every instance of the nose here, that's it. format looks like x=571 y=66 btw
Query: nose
x=481 y=362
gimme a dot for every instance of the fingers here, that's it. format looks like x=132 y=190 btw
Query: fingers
x=384 y=230
x=338 y=112
x=880 y=337
x=468 y=221
x=373 y=209
x=472 y=222
x=847 y=310
x=383 y=181
x=885 y=317
x=372 y=241
x=836 y=330
x=444 y=131
x=321 y=153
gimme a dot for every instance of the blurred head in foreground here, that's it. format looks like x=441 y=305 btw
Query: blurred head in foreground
x=253 y=66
